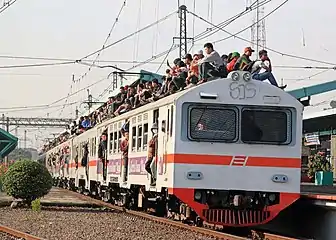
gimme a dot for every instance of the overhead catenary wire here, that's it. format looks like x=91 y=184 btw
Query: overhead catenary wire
x=210 y=31
x=98 y=53
x=267 y=48
x=130 y=35
x=139 y=63
x=36 y=65
x=33 y=107
x=7 y=5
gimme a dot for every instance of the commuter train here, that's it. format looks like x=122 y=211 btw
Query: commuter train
x=228 y=153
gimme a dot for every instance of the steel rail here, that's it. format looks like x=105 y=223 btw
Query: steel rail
x=204 y=231
x=15 y=233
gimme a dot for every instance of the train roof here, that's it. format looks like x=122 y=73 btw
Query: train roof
x=210 y=87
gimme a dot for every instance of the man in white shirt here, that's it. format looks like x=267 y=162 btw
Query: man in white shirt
x=262 y=70
x=211 y=65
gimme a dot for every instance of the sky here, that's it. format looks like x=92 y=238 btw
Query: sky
x=74 y=29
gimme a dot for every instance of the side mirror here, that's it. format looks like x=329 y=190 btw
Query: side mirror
x=163 y=128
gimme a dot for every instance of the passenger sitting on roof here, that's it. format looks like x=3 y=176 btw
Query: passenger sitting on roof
x=131 y=94
x=156 y=90
x=120 y=99
x=262 y=69
x=142 y=95
x=125 y=107
x=182 y=73
x=193 y=72
x=232 y=61
x=211 y=65
x=174 y=69
x=86 y=123
x=244 y=62
x=225 y=59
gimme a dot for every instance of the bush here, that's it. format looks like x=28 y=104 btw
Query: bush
x=318 y=162
x=27 y=180
x=36 y=205
x=3 y=170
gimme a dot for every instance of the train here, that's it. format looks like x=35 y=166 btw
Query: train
x=228 y=152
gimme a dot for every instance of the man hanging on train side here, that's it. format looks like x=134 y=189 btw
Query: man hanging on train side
x=150 y=165
x=102 y=154
x=124 y=150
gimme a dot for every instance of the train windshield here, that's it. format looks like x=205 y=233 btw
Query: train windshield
x=213 y=124
x=266 y=126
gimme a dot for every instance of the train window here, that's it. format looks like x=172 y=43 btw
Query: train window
x=212 y=124
x=115 y=142
x=139 y=145
x=133 y=139
x=266 y=126
x=111 y=142
x=145 y=136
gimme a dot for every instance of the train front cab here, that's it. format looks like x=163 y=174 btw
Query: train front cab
x=226 y=175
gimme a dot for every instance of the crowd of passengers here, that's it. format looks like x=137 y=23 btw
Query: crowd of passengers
x=185 y=73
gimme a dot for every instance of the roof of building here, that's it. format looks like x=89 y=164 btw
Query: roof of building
x=8 y=143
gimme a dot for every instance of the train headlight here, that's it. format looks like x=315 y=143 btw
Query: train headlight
x=271 y=197
x=247 y=77
x=235 y=76
x=198 y=195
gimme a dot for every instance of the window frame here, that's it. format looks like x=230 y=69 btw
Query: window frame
x=214 y=107
x=289 y=124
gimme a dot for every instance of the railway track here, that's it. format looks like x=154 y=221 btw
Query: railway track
x=17 y=234
x=256 y=235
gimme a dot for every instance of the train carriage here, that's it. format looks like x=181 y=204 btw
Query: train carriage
x=228 y=153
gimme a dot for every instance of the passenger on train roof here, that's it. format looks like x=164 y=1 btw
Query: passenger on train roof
x=262 y=69
x=244 y=61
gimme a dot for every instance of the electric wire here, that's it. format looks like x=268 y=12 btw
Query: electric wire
x=130 y=35
x=267 y=48
x=7 y=5
x=98 y=53
x=164 y=59
x=36 y=65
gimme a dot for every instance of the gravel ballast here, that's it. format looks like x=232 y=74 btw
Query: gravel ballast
x=73 y=225
x=4 y=236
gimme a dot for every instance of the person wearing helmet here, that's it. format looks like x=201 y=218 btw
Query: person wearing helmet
x=152 y=153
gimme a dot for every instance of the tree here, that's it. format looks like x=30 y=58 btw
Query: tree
x=27 y=180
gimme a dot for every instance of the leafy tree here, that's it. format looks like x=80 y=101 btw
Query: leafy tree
x=318 y=162
x=27 y=180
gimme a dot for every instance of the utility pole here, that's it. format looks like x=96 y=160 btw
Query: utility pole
x=89 y=100
x=183 y=30
x=7 y=129
x=25 y=139
x=258 y=30
x=77 y=113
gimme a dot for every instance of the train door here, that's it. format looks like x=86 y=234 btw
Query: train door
x=163 y=137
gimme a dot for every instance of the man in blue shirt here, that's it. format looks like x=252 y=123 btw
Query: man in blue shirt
x=86 y=123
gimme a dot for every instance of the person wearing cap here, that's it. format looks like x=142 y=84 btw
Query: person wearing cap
x=262 y=69
x=244 y=61
x=200 y=54
x=232 y=61
x=152 y=153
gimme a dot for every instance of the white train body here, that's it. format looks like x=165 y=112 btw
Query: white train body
x=201 y=149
